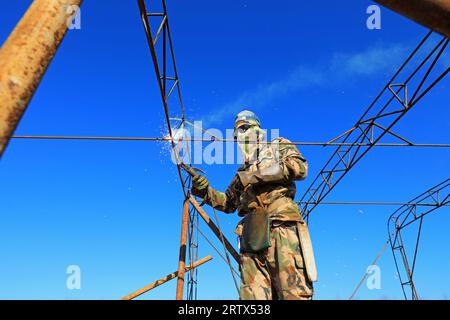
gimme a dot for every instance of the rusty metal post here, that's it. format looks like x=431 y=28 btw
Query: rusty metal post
x=434 y=14
x=214 y=228
x=25 y=56
x=182 y=257
x=169 y=277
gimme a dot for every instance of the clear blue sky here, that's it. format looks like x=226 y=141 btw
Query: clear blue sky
x=114 y=208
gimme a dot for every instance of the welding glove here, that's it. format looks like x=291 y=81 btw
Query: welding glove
x=199 y=185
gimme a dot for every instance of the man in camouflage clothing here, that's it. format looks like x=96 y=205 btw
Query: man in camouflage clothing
x=276 y=258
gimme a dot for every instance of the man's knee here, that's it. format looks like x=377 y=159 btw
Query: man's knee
x=255 y=279
x=296 y=295
x=294 y=284
x=255 y=291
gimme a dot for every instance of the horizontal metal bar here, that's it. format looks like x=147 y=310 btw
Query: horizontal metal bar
x=168 y=78
x=300 y=143
x=375 y=203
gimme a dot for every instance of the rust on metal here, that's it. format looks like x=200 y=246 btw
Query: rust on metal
x=434 y=14
x=182 y=257
x=214 y=228
x=25 y=56
x=164 y=279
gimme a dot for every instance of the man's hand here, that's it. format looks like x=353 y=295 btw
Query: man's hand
x=199 y=186
x=200 y=182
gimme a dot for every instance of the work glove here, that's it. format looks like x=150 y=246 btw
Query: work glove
x=199 y=185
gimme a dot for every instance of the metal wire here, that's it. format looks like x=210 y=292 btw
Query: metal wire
x=226 y=251
x=168 y=139
x=374 y=203
x=215 y=248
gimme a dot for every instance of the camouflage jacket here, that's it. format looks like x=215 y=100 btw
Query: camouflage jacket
x=276 y=197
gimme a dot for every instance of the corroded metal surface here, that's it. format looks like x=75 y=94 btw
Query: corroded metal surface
x=434 y=14
x=182 y=256
x=25 y=56
x=165 y=279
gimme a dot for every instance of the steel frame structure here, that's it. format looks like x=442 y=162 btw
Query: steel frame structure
x=163 y=57
x=390 y=105
x=376 y=122
x=435 y=198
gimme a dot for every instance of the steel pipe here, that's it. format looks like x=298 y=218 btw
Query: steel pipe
x=26 y=55
x=433 y=14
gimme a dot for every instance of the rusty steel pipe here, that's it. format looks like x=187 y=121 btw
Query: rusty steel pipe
x=165 y=279
x=25 y=56
x=433 y=14
x=182 y=257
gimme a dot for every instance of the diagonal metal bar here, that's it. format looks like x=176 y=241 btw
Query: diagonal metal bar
x=404 y=101
x=161 y=27
x=393 y=133
x=419 y=233
x=441 y=51
x=165 y=279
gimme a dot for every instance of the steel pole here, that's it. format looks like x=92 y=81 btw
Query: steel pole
x=25 y=56
x=182 y=257
x=434 y=14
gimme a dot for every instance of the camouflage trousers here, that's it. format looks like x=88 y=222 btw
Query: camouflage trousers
x=277 y=273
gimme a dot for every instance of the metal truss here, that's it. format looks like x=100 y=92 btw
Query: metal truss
x=421 y=71
x=163 y=57
x=417 y=75
x=436 y=197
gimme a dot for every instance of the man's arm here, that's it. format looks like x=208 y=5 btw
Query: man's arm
x=224 y=201
x=295 y=167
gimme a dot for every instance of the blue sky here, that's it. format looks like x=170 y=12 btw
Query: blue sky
x=114 y=208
